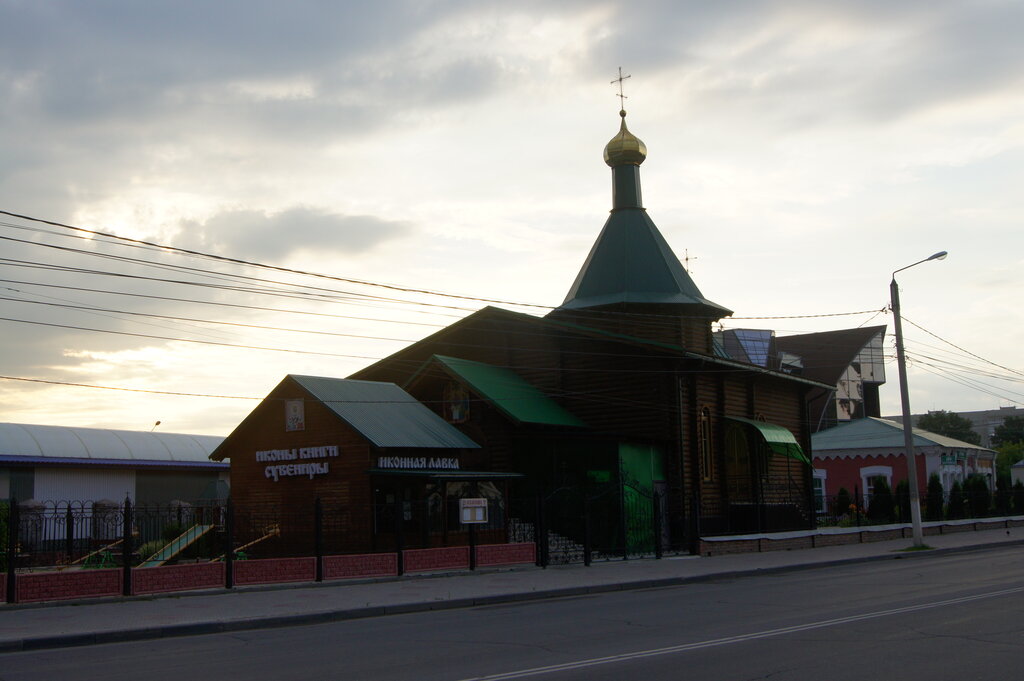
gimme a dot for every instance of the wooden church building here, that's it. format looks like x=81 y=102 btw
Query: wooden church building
x=620 y=395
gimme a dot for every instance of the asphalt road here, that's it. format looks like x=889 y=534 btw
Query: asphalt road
x=925 y=617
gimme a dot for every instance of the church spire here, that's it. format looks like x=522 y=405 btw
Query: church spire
x=631 y=264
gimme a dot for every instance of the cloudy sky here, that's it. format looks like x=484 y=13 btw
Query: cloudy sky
x=799 y=152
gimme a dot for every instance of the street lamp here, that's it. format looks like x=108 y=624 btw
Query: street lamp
x=908 y=433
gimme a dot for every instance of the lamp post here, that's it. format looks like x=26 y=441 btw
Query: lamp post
x=908 y=433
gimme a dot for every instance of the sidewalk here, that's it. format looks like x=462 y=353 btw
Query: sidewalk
x=55 y=625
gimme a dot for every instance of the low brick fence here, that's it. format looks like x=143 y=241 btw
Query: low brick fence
x=366 y=565
x=89 y=583
x=67 y=584
x=424 y=560
x=808 y=539
x=506 y=554
x=177 y=578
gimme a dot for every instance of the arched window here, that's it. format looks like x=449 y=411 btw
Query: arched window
x=707 y=469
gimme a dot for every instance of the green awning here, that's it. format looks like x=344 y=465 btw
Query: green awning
x=780 y=440
x=512 y=395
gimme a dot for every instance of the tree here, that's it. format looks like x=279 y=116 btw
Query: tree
x=1008 y=454
x=950 y=424
x=934 y=500
x=1003 y=494
x=843 y=502
x=955 y=508
x=903 y=500
x=1011 y=431
x=979 y=496
x=882 y=507
x=1018 y=497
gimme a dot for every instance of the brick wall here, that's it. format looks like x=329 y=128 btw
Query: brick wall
x=272 y=570
x=53 y=586
x=177 y=578
x=506 y=554
x=880 y=535
x=786 y=544
x=721 y=548
x=450 y=558
x=836 y=539
x=365 y=565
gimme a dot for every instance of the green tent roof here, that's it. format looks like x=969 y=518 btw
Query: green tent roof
x=632 y=263
x=780 y=440
x=513 y=396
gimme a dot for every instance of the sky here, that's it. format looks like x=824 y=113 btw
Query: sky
x=798 y=153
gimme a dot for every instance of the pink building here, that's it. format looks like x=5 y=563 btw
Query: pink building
x=856 y=454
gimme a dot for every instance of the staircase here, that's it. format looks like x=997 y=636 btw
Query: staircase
x=561 y=549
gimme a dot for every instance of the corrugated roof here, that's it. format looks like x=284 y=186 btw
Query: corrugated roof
x=63 y=443
x=384 y=414
x=510 y=393
x=876 y=433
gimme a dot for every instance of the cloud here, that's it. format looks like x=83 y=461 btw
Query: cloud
x=254 y=235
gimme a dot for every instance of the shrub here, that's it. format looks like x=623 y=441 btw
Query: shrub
x=3 y=535
x=1003 y=494
x=936 y=497
x=882 y=508
x=1018 y=497
x=171 y=532
x=979 y=497
x=843 y=502
x=956 y=502
x=903 y=500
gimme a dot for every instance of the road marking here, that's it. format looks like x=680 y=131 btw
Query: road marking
x=597 y=661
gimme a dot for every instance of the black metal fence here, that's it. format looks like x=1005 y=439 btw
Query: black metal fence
x=567 y=525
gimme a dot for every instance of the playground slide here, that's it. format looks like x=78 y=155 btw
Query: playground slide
x=272 y=531
x=177 y=546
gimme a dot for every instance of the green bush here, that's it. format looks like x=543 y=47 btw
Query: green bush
x=1003 y=494
x=979 y=496
x=956 y=502
x=171 y=532
x=4 y=515
x=935 y=500
x=150 y=548
x=882 y=508
x=1018 y=497
x=843 y=502
x=903 y=500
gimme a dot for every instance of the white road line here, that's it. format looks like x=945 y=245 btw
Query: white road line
x=596 y=661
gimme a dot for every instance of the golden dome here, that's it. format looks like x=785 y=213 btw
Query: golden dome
x=625 y=148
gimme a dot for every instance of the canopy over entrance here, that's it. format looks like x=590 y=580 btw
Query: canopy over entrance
x=780 y=440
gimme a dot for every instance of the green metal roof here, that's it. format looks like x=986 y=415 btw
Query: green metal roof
x=632 y=263
x=385 y=414
x=780 y=440
x=876 y=433
x=512 y=395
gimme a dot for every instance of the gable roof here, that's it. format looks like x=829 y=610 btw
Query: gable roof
x=509 y=393
x=827 y=354
x=501 y=315
x=876 y=433
x=384 y=414
x=632 y=263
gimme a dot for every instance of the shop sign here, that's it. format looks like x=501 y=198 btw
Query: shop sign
x=473 y=511
x=418 y=462
x=309 y=468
